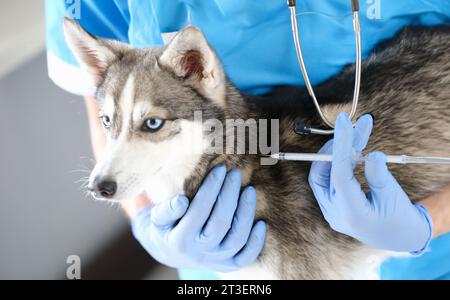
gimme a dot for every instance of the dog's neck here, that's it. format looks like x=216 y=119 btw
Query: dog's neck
x=240 y=106
x=236 y=108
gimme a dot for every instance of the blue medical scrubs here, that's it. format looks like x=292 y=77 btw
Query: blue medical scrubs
x=254 y=40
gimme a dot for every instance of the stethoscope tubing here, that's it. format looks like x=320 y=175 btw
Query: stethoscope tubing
x=303 y=69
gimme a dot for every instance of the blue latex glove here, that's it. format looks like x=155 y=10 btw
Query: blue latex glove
x=384 y=218
x=215 y=232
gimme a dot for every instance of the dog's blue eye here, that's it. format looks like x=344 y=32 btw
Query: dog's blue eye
x=106 y=122
x=153 y=125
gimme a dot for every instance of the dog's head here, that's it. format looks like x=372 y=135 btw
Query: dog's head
x=148 y=98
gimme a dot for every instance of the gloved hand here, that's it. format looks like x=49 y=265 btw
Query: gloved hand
x=215 y=232
x=383 y=218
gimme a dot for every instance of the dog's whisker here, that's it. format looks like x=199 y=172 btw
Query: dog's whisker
x=86 y=171
x=90 y=159
x=82 y=180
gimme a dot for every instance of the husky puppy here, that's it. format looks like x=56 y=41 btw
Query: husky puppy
x=149 y=97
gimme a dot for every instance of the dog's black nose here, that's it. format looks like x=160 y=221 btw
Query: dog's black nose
x=107 y=188
x=104 y=188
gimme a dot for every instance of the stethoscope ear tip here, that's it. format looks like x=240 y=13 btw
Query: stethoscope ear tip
x=355 y=5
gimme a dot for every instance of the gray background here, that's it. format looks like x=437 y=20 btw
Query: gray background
x=45 y=150
x=44 y=146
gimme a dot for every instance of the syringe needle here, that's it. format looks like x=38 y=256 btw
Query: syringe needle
x=427 y=160
x=392 y=159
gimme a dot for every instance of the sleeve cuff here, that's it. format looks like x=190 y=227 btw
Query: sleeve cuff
x=427 y=217
x=68 y=77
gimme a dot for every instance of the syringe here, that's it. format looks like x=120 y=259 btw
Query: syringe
x=392 y=159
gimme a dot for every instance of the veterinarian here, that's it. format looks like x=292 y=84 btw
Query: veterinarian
x=254 y=40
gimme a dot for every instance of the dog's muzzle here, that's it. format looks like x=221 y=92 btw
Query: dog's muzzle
x=103 y=188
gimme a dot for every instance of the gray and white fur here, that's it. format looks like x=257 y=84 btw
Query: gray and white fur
x=405 y=85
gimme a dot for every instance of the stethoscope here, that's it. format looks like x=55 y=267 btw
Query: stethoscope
x=301 y=127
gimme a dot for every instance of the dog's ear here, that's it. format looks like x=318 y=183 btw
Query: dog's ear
x=191 y=58
x=94 y=55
